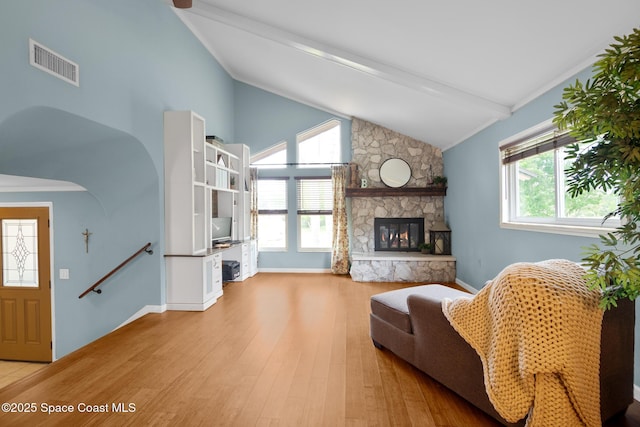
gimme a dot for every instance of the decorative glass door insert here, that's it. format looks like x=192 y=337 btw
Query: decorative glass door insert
x=20 y=253
x=398 y=234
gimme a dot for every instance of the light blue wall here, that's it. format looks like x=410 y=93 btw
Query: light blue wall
x=262 y=120
x=472 y=205
x=136 y=59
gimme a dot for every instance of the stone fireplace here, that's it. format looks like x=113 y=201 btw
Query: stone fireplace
x=372 y=145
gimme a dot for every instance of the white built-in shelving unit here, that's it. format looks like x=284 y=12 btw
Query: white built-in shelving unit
x=203 y=179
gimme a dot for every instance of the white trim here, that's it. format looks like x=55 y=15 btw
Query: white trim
x=297 y=98
x=53 y=281
x=275 y=148
x=530 y=131
x=579 y=67
x=276 y=91
x=317 y=130
x=329 y=53
x=143 y=311
x=569 y=230
x=312 y=132
x=193 y=306
x=190 y=307
x=197 y=306
x=39 y=189
x=590 y=227
x=22 y=184
x=312 y=250
x=468 y=135
x=467 y=286
x=306 y=249
x=294 y=270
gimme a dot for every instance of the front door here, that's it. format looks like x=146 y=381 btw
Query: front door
x=25 y=286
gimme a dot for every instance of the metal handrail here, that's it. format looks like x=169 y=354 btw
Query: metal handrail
x=145 y=248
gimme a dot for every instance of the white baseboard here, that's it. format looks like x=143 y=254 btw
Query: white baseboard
x=294 y=270
x=203 y=306
x=144 y=310
x=466 y=286
x=190 y=307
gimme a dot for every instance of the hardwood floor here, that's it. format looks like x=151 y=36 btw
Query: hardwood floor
x=277 y=349
x=11 y=371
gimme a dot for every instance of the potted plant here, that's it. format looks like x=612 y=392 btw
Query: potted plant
x=425 y=248
x=606 y=111
x=440 y=181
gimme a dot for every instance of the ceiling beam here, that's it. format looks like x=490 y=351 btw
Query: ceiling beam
x=350 y=60
x=182 y=4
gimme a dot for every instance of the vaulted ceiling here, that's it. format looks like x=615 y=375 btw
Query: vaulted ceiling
x=438 y=71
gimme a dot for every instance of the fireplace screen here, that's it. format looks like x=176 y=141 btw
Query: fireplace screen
x=398 y=234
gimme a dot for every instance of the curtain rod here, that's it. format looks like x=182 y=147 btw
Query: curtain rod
x=296 y=164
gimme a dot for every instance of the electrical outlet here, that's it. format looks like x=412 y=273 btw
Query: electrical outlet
x=64 y=273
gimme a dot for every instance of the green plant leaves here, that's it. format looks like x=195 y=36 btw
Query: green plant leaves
x=606 y=110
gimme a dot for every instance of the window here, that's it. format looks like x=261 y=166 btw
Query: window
x=315 y=214
x=272 y=214
x=20 y=252
x=320 y=144
x=534 y=192
x=271 y=158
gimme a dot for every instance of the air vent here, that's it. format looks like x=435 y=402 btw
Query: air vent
x=47 y=60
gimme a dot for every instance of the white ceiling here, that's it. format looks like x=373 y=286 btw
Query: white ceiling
x=438 y=71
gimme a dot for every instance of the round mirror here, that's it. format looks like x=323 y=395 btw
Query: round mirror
x=395 y=172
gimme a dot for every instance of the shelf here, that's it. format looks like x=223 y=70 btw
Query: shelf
x=225 y=190
x=401 y=191
x=221 y=168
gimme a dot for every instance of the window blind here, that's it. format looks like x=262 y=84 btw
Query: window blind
x=315 y=196
x=272 y=196
x=546 y=140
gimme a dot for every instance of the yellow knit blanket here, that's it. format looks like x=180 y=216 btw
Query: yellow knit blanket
x=536 y=328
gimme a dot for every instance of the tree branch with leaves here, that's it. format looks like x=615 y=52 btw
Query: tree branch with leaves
x=606 y=111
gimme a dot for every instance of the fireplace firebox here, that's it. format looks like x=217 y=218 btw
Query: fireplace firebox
x=398 y=234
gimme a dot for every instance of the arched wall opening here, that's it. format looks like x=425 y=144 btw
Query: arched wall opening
x=121 y=209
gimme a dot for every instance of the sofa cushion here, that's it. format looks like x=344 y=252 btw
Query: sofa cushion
x=392 y=306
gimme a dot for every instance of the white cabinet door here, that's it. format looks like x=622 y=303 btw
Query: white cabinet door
x=187 y=202
x=194 y=283
x=216 y=274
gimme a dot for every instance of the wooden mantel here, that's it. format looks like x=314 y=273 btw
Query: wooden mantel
x=400 y=191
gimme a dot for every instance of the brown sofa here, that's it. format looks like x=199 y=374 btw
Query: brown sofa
x=409 y=322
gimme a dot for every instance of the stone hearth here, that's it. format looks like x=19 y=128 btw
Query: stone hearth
x=402 y=267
